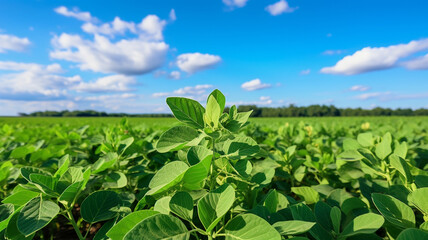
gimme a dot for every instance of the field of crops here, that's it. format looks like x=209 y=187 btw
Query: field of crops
x=214 y=175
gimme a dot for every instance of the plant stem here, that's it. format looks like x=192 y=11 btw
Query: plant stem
x=212 y=178
x=76 y=228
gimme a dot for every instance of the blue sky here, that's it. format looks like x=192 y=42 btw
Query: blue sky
x=128 y=56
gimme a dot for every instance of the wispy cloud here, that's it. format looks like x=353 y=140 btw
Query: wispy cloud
x=359 y=88
x=333 y=52
x=305 y=72
x=255 y=84
x=390 y=96
x=198 y=92
x=235 y=3
x=279 y=8
x=75 y=13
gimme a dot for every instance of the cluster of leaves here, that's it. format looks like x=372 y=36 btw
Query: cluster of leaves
x=214 y=177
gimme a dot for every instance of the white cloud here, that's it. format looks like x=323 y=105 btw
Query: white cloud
x=175 y=75
x=305 y=72
x=13 y=43
x=113 y=83
x=333 y=52
x=389 y=96
x=194 y=62
x=30 y=81
x=279 y=8
x=150 y=28
x=117 y=26
x=235 y=3
x=197 y=92
x=359 y=88
x=420 y=63
x=378 y=58
x=254 y=84
x=172 y=15
x=366 y=96
x=75 y=13
x=126 y=56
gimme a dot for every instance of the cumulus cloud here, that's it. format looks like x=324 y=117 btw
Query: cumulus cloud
x=197 y=92
x=30 y=81
x=235 y=3
x=375 y=58
x=420 y=63
x=75 y=13
x=279 y=8
x=113 y=83
x=194 y=62
x=254 y=84
x=359 y=88
x=13 y=43
x=126 y=56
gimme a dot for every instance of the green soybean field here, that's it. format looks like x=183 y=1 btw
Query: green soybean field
x=211 y=174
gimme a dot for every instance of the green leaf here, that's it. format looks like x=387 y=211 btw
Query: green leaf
x=250 y=227
x=124 y=144
x=162 y=205
x=293 y=227
x=413 y=234
x=394 y=211
x=36 y=214
x=159 y=226
x=200 y=159
x=101 y=233
x=271 y=201
x=70 y=193
x=6 y=210
x=220 y=98
x=115 y=180
x=182 y=205
x=419 y=198
x=212 y=113
x=322 y=213
x=401 y=166
x=105 y=162
x=100 y=206
x=20 y=198
x=187 y=110
x=240 y=147
x=63 y=165
x=213 y=206
x=365 y=139
x=167 y=177
x=26 y=171
x=352 y=203
x=401 y=149
x=363 y=224
x=307 y=193
x=336 y=216
x=12 y=232
x=383 y=149
x=350 y=156
x=350 y=144
x=177 y=138
x=118 y=231
x=21 y=152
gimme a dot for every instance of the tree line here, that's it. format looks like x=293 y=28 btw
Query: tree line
x=289 y=111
